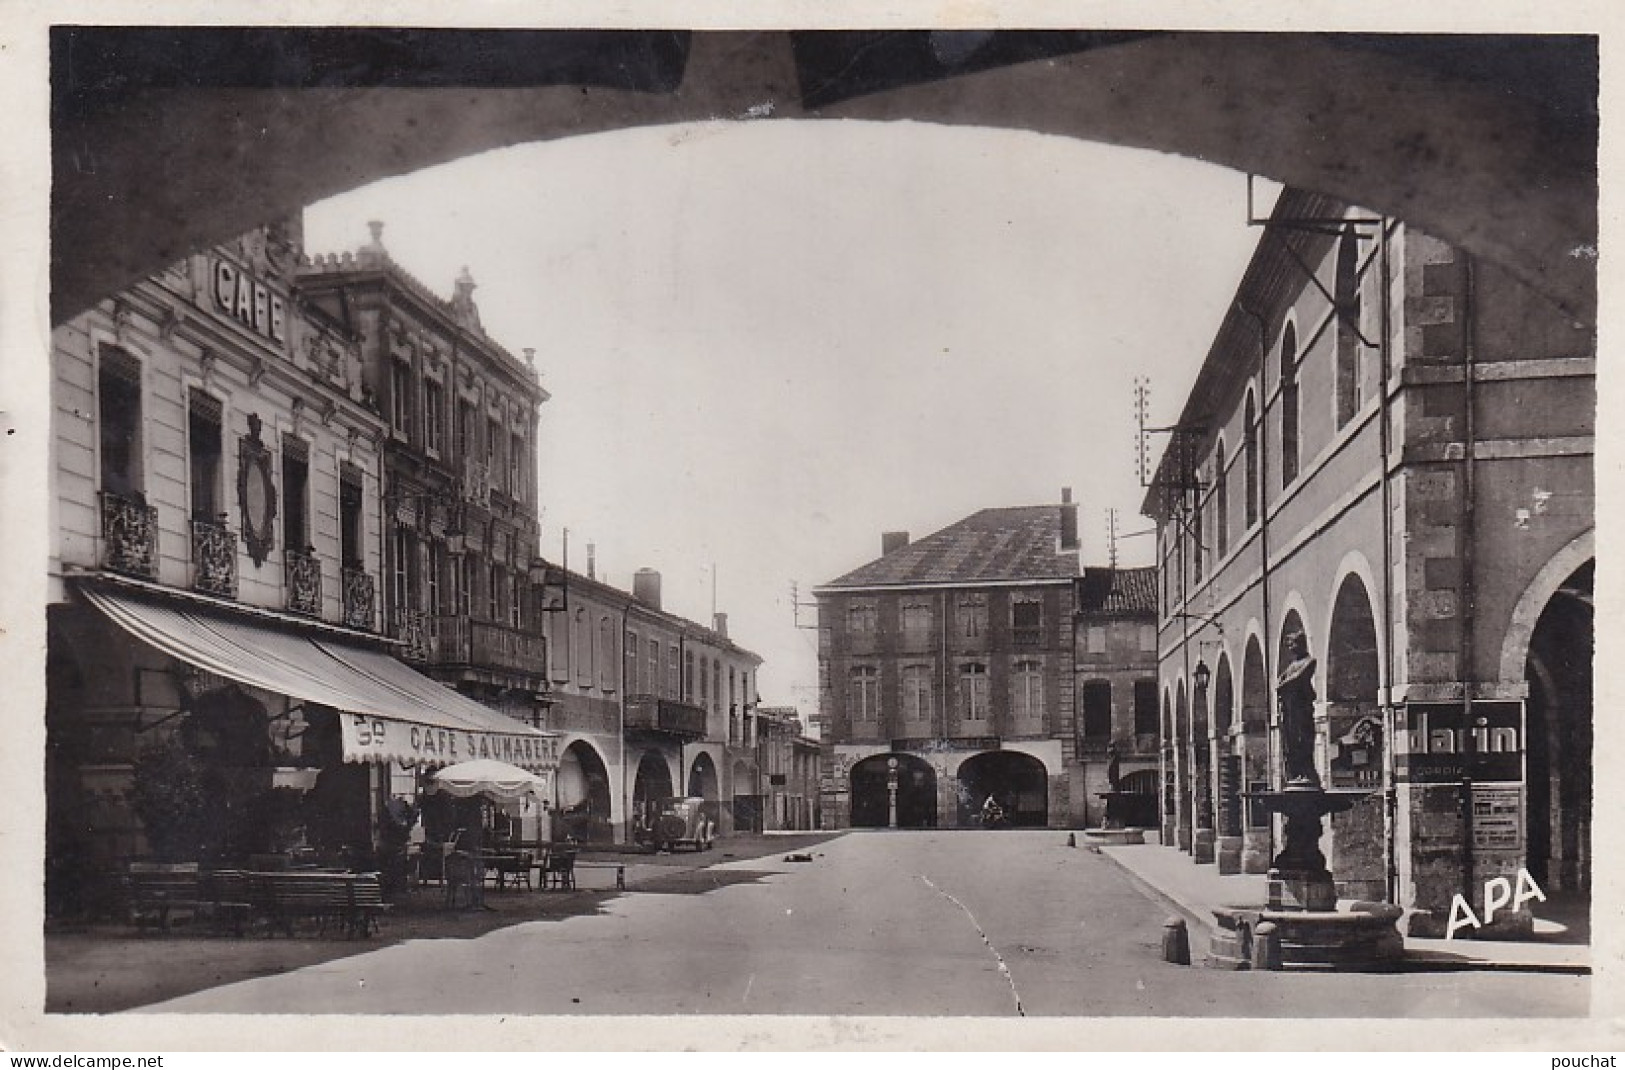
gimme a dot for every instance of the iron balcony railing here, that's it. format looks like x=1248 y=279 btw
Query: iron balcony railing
x=129 y=536
x=412 y=629
x=304 y=573
x=214 y=558
x=360 y=599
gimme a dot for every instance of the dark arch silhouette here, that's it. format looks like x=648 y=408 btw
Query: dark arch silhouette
x=916 y=792
x=1559 y=718
x=652 y=781
x=702 y=779
x=1454 y=134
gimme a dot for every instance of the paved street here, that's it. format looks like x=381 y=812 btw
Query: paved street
x=878 y=923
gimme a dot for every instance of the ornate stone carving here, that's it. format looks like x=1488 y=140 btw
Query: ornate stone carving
x=256 y=492
x=360 y=599
x=304 y=583
x=129 y=536
x=214 y=558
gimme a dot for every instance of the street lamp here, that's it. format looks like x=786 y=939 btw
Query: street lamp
x=1202 y=675
x=891 y=792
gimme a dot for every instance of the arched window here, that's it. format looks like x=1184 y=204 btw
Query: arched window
x=1346 y=293
x=973 y=691
x=1198 y=539
x=865 y=694
x=917 y=692
x=1250 y=456
x=1221 y=476
x=1289 y=406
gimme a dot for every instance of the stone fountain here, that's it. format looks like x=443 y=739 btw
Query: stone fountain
x=1112 y=831
x=1302 y=909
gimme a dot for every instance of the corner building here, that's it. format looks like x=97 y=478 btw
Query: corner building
x=1388 y=448
x=946 y=675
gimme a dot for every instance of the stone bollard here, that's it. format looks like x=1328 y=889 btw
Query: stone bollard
x=1071 y=839
x=1266 y=947
x=1176 y=942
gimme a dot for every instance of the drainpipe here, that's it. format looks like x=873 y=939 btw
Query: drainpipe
x=1390 y=794
x=1465 y=536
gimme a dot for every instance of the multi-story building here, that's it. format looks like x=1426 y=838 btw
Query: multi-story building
x=946 y=675
x=217 y=683
x=1388 y=449
x=788 y=765
x=1116 y=694
x=648 y=705
x=460 y=487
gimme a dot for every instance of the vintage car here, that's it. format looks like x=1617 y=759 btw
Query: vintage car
x=668 y=823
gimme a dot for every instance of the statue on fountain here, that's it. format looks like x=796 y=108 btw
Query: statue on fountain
x=1295 y=692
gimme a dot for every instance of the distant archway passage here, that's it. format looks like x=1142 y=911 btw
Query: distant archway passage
x=1354 y=743
x=702 y=779
x=584 y=797
x=1016 y=781
x=916 y=792
x=653 y=780
x=1559 y=714
x=169 y=139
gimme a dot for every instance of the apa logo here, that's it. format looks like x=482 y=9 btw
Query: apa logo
x=1498 y=892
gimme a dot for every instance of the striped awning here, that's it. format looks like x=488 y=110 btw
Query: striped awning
x=388 y=710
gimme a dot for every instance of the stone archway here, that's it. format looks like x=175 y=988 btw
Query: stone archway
x=916 y=782
x=1559 y=716
x=702 y=779
x=584 y=797
x=652 y=780
x=1018 y=782
x=1254 y=750
x=1353 y=738
x=1227 y=765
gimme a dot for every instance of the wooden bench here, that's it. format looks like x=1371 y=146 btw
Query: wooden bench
x=618 y=867
x=352 y=902
x=229 y=898
x=559 y=871
x=158 y=889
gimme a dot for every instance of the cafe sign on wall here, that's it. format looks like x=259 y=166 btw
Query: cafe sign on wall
x=242 y=297
x=375 y=739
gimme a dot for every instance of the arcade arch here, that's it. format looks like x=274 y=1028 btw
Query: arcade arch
x=916 y=784
x=1016 y=781
x=585 y=809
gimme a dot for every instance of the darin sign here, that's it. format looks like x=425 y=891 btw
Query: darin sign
x=249 y=301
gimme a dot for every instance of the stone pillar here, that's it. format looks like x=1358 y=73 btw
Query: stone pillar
x=1202 y=839
x=1229 y=846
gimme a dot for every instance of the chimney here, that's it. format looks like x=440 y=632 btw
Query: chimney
x=719 y=624
x=891 y=541
x=646 y=587
x=463 y=309
x=1069 y=521
x=592 y=561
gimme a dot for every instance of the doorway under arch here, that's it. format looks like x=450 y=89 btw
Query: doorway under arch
x=702 y=779
x=1354 y=742
x=1559 y=718
x=652 y=781
x=1016 y=781
x=585 y=812
x=916 y=792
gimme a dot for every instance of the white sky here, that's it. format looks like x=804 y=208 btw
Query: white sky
x=768 y=342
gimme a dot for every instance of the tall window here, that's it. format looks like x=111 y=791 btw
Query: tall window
x=204 y=440
x=604 y=654
x=437 y=565
x=1221 y=476
x=733 y=697
x=860 y=622
x=1027 y=621
x=651 y=667
x=1148 y=639
x=581 y=648
x=516 y=600
x=468 y=447
x=1145 y=707
x=496 y=607
x=632 y=650
x=705 y=682
x=688 y=676
x=350 y=541
x=434 y=407
x=465 y=599
x=917 y=692
x=1289 y=406
x=865 y=696
x=674 y=678
x=493 y=451
x=118 y=399
x=1198 y=540
x=716 y=690
x=516 y=467
x=1249 y=445
x=1094 y=639
x=400 y=396
x=295 y=494
x=404 y=576
x=1097 y=709
x=972 y=616
x=973 y=692
x=1346 y=293
x=1027 y=691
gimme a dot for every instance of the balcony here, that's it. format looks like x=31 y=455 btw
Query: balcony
x=646 y=713
x=214 y=558
x=304 y=573
x=129 y=536
x=507 y=648
x=411 y=627
x=360 y=600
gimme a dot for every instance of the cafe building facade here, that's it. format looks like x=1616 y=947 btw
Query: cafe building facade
x=219 y=684
x=1388 y=449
